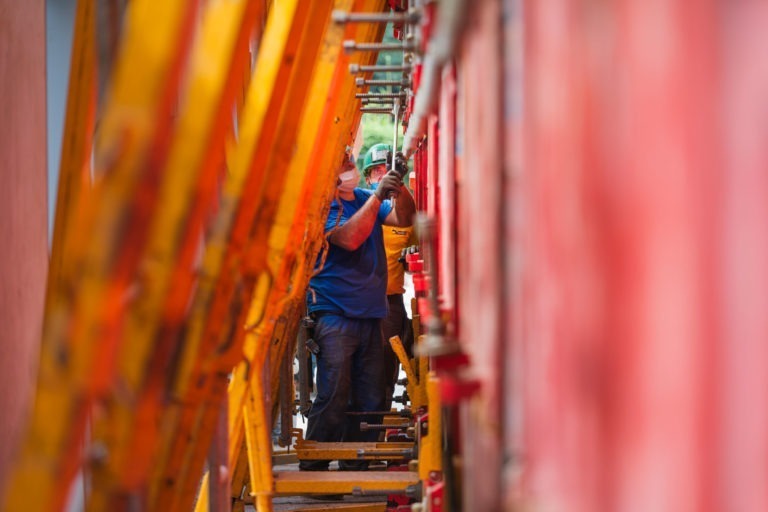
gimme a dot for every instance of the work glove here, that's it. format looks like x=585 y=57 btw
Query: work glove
x=401 y=164
x=389 y=186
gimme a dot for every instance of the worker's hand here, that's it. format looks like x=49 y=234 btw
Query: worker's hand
x=401 y=164
x=389 y=186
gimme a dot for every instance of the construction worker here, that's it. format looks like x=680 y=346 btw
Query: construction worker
x=347 y=298
x=396 y=240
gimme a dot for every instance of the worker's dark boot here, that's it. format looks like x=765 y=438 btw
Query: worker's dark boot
x=314 y=465
x=353 y=465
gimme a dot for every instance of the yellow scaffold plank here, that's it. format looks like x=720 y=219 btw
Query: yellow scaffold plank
x=431 y=449
x=82 y=325
x=416 y=387
x=312 y=450
x=342 y=482
x=344 y=507
x=260 y=459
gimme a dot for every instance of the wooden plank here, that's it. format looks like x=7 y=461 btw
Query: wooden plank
x=342 y=482
x=310 y=450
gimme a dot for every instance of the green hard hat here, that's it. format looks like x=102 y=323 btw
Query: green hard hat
x=376 y=155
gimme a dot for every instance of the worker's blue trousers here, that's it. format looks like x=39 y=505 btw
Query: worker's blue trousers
x=350 y=377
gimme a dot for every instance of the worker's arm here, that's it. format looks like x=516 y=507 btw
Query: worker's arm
x=405 y=207
x=358 y=228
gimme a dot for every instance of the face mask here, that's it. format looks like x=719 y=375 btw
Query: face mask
x=374 y=186
x=348 y=181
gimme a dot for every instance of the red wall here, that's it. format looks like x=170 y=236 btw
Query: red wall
x=23 y=211
x=611 y=253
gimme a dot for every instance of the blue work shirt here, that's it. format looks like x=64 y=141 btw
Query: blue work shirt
x=352 y=283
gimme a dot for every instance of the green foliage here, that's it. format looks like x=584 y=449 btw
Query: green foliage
x=387 y=58
x=377 y=128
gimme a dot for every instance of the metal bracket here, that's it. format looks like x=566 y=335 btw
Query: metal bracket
x=353 y=46
x=411 y=17
x=379 y=68
x=360 y=82
x=380 y=96
x=376 y=110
